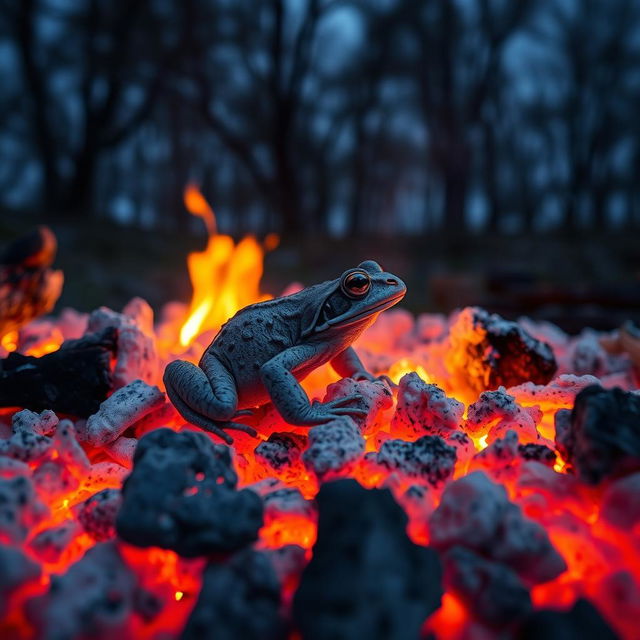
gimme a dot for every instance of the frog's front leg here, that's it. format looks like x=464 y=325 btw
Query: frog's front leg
x=205 y=396
x=291 y=400
x=348 y=365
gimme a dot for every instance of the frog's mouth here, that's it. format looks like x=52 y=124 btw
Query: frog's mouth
x=331 y=314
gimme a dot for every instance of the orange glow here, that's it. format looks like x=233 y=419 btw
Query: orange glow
x=225 y=276
x=404 y=366
x=9 y=341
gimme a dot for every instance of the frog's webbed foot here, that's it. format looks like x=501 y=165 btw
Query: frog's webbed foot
x=192 y=394
x=321 y=412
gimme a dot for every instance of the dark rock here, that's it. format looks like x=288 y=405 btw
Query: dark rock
x=600 y=437
x=428 y=458
x=181 y=495
x=487 y=352
x=491 y=591
x=240 y=598
x=581 y=622
x=97 y=514
x=366 y=579
x=16 y=569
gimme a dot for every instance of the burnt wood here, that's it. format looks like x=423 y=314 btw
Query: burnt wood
x=73 y=380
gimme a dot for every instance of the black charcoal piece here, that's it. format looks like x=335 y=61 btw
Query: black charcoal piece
x=476 y=513
x=491 y=591
x=239 y=599
x=366 y=578
x=428 y=458
x=281 y=450
x=488 y=352
x=16 y=569
x=95 y=598
x=181 y=495
x=600 y=437
x=538 y=452
x=582 y=622
x=97 y=514
x=75 y=379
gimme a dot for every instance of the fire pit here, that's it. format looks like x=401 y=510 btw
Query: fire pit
x=491 y=491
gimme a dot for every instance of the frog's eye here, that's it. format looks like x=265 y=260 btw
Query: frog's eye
x=356 y=283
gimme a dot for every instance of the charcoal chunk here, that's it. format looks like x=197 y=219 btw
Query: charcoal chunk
x=476 y=513
x=600 y=438
x=20 y=509
x=491 y=591
x=281 y=451
x=97 y=514
x=95 y=598
x=428 y=458
x=581 y=622
x=366 y=578
x=239 y=598
x=181 y=496
x=621 y=502
x=538 y=452
x=16 y=569
x=486 y=352
x=334 y=448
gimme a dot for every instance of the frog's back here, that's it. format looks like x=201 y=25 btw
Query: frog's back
x=254 y=335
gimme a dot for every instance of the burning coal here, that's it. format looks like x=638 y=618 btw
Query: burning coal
x=492 y=493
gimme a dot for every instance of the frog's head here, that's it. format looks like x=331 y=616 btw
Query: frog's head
x=352 y=301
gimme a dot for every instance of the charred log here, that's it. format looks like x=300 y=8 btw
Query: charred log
x=73 y=380
x=28 y=286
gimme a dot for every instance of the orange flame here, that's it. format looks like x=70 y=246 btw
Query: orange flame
x=225 y=276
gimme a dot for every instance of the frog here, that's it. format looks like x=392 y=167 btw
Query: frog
x=262 y=353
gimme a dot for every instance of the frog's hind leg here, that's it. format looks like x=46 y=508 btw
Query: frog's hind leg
x=199 y=402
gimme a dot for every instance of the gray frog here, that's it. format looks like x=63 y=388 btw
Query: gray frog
x=262 y=353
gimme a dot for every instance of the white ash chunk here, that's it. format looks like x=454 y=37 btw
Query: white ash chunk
x=586 y=356
x=122 y=450
x=53 y=480
x=136 y=347
x=21 y=509
x=42 y=424
x=621 y=502
x=560 y=393
x=104 y=475
x=286 y=501
x=10 y=468
x=476 y=513
x=50 y=544
x=496 y=412
x=120 y=411
x=376 y=398
x=26 y=446
x=463 y=444
x=428 y=459
x=334 y=448
x=425 y=408
x=69 y=449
